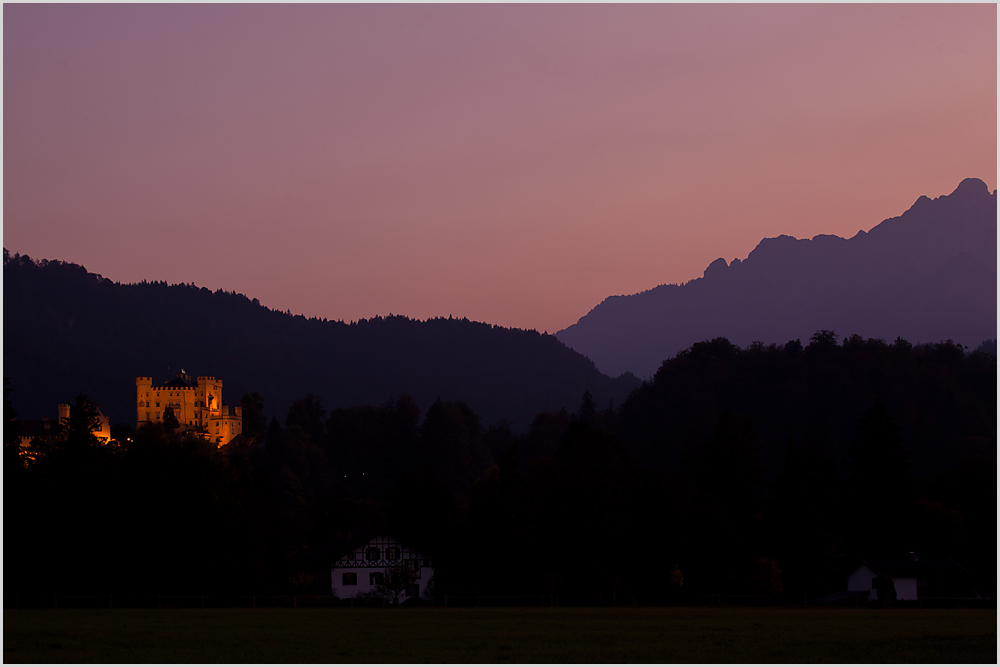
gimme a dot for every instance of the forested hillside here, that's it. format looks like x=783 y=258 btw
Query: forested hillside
x=942 y=396
x=67 y=330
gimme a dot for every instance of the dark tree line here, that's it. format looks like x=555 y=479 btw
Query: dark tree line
x=759 y=470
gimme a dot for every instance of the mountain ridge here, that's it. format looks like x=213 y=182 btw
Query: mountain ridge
x=862 y=282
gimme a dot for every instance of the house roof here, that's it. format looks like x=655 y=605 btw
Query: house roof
x=345 y=548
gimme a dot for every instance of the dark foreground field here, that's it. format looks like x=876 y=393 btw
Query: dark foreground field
x=500 y=635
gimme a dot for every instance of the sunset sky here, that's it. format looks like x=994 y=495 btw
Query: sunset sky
x=510 y=164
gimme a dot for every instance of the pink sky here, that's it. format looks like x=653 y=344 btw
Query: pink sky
x=510 y=164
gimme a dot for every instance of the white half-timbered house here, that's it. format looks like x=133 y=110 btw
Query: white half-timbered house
x=359 y=571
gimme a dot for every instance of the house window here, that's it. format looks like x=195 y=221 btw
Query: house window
x=413 y=591
x=372 y=553
x=391 y=553
x=157 y=414
x=157 y=404
x=350 y=578
x=414 y=567
x=376 y=578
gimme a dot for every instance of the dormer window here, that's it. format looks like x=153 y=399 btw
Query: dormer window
x=372 y=553
x=391 y=553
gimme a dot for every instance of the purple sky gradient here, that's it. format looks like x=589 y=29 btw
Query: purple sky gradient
x=511 y=164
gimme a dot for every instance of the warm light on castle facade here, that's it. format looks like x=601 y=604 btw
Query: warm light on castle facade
x=197 y=404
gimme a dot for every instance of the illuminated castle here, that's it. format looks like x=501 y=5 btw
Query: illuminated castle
x=197 y=404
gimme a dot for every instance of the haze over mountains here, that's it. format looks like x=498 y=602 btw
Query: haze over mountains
x=927 y=275
x=67 y=330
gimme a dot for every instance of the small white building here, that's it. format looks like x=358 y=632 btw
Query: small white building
x=362 y=569
x=916 y=578
x=903 y=578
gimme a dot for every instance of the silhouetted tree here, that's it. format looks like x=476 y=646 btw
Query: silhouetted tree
x=11 y=431
x=766 y=577
x=254 y=422
x=880 y=484
x=802 y=516
x=885 y=588
x=588 y=411
x=170 y=421
x=453 y=443
x=308 y=414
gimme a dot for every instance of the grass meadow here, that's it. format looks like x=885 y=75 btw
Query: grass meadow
x=612 y=635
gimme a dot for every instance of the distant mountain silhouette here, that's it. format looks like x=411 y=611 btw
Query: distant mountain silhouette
x=67 y=330
x=927 y=275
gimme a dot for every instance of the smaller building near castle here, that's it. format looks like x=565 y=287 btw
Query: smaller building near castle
x=47 y=430
x=196 y=403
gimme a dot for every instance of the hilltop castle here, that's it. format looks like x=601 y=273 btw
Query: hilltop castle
x=197 y=404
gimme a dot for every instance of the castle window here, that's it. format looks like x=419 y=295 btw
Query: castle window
x=157 y=404
x=157 y=414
